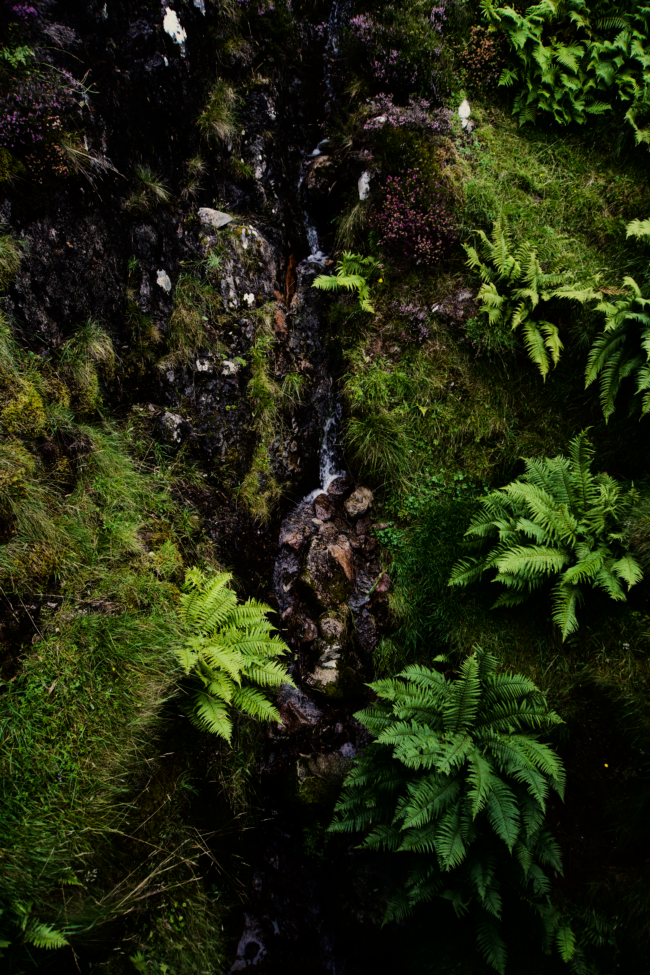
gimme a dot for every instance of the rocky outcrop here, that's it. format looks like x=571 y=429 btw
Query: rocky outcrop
x=331 y=590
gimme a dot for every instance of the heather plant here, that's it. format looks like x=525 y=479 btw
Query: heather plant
x=32 y=112
x=413 y=223
x=400 y=50
x=418 y=114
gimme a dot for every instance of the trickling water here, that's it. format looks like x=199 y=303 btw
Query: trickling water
x=329 y=469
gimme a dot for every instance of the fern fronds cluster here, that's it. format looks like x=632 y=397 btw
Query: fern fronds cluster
x=622 y=349
x=565 y=65
x=229 y=647
x=515 y=288
x=353 y=273
x=558 y=524
x=457 y=779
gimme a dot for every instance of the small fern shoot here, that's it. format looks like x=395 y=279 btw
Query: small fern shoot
x=229 y=647
x=457 y=779
x=352 y=274
x=560 y=524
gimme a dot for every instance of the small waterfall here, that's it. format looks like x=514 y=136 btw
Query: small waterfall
x=329 y=452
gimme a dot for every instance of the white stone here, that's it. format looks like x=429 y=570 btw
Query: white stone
x=203 y=365
x=164 y=281
x=464 y=112
x=250 y=300
x=173 y=27
x=201 y=5
x=364 y=185
x=230 y=368
x=214 y=218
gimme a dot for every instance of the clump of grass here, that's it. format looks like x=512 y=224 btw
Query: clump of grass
x=259 y=490
x=194 y=302
x=293 y=386
x=11 y=254
x=151 y=191
x=218 y=118
x=88 y=350
x=196 y=168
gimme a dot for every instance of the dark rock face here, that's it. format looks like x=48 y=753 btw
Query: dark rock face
x=328 y=581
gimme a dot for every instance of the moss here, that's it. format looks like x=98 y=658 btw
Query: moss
x=10 y=167
x=25 y=413
x=348 y=684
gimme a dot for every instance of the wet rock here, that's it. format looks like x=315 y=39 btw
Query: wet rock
x=293 y=537
x=359 y=502
x=340 y=486
x=250 y=950
x=383 y=583
x=296 y=709
x=328 y=571
x=318 y=181
x=320 y=776
x=309 y=631
x=323 y=508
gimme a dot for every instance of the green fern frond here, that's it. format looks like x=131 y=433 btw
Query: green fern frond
x=44 y=936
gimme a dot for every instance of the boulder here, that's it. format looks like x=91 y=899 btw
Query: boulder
x=359 y=502
x=296 y=709
x=340 y=486
x=214 y=218
x=323 y=508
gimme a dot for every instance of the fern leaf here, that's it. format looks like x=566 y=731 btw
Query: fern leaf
x=210 y=715
x=503 y=813
x=628 y=569
x=254 y=703
x=566 y=942
x=491 y=945
x=44 y=936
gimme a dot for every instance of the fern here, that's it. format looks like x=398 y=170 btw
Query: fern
x=515 y=288
x=229 y=647
x=564 y=66
x=622 y=350
x=352 y=274
x=576 y=519
x=462 y=790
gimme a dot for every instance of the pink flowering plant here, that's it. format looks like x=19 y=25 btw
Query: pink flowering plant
x=39 y=102
x=418 y=114
x=400 y=49
x=413 y=223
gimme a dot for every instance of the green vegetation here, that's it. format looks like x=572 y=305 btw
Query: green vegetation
x=457 y=780
x=524 y=287
x=151 y=191
x=561 y=522
x=352 y=274
x=228 y=642
x=572 y=64
x=218 y=118
x=442 y=405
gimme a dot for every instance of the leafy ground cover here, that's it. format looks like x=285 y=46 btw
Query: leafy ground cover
x=437 y=416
